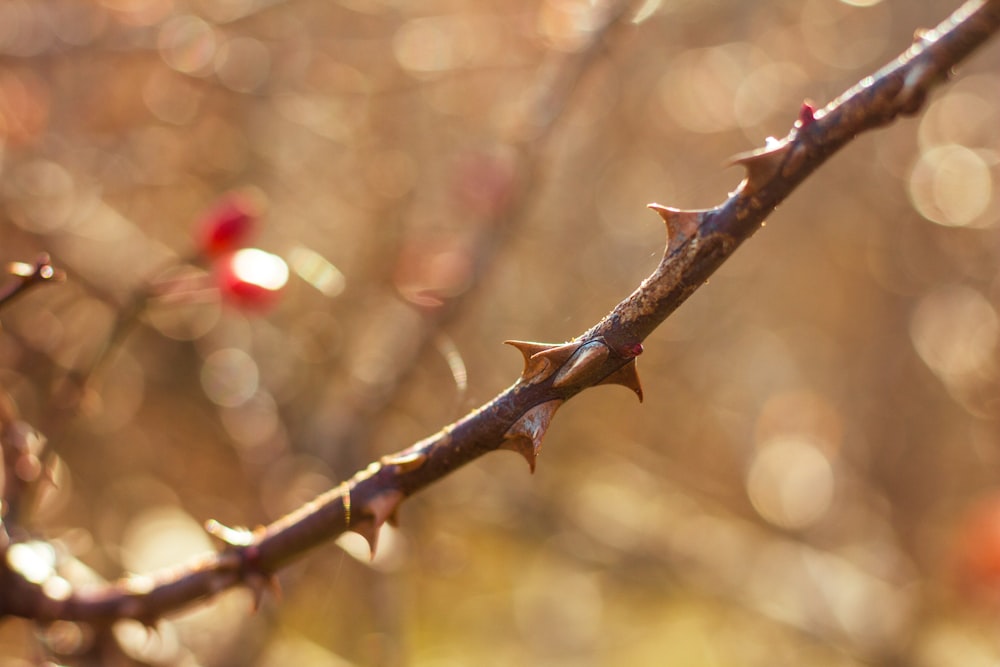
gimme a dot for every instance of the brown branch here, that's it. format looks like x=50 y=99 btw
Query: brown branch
x=698 y=242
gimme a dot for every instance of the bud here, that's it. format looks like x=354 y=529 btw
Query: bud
x=229 y=223
x=251 y=279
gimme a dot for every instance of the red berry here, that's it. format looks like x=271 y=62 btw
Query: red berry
x=228 y=224
x=977 y=550
x=251 y=279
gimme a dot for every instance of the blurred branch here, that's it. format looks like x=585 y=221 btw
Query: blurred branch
x=552 y=92
x=698 y=242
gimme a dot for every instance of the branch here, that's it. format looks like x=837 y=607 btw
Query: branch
x=698 y=242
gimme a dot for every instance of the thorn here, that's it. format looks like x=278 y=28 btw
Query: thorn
x=528 y=349
x=628 y=377
x=234 y=537
x=584 y=359
x=542 y=359
x=525 y=435
x=681 y=225
x=762 y=164
x=405 y=461
x=258 y=584
x=378 y=510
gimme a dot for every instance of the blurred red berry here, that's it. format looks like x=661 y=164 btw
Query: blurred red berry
x=229 y=223
x=251 y=279
x=977 y=551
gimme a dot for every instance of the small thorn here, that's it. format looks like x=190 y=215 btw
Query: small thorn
x=762 y=164
x=259 y=584
x=405 y=461
x=525 y=435
x=379 y=509
x=584 y=359
x=681 y=225
x=239 y=536
x=523 y=446
x=628 y=377
x=368 y=531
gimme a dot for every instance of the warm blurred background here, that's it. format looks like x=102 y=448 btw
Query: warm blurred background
x=813 y=477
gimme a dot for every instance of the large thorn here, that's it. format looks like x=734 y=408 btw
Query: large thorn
x=681 y=225
x=525 y=435
x=627 y=376
x=376 y=512
x=542 y=359
x=583 y=360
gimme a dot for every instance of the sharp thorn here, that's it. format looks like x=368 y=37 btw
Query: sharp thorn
x=628 y=377
x=762 y=164
x=534 y=368
x=681 y=225
x=523 y=446
x=378 y=510
x=525 y=435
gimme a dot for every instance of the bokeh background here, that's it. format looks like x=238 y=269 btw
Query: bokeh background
x=812 y=478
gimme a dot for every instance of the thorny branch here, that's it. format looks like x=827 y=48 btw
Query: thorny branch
x=698 y=242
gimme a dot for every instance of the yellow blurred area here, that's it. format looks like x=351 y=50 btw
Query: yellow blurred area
x=440 y=177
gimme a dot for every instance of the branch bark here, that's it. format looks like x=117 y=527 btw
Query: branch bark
x=697 y=244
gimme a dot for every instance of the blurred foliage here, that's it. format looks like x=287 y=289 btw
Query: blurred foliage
x=817 y=418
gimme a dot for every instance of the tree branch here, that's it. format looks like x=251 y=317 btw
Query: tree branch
x=698 y=242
